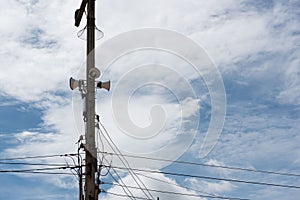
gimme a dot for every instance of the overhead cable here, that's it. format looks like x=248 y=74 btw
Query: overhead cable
x=208 y=165
x=39 y=156
x=182 y=194
x=123 y=195
x=211 y=178
x=125 y=163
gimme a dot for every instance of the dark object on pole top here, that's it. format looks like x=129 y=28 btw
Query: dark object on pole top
x=79 y=12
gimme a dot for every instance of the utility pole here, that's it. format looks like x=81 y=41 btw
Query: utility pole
x=91 y=152
x=90 y=190
x=88 y=90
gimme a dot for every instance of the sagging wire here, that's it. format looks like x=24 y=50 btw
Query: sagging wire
x=123 y=185
x=170 y=183
x=72 y=169
x=126 y=164
x=109 y=168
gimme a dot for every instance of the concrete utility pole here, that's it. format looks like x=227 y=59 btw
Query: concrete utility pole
x=91 y=153
x=91 y=192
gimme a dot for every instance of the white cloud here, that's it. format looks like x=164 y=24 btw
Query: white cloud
x=40 y=51
x=190 y=107
x=223 y=172
x=56 y=136
x=35 y=59
x=212 y=187
x=163 y=184
x=291 y=89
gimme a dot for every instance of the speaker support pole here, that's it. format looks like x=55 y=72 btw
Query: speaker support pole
x=91 y=192
x=92 y=173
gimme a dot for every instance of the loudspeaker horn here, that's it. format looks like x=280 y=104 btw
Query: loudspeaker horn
x=105 y=85
x=73 y=83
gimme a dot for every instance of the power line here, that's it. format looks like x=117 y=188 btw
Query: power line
x=47 y=173
x=125 y=163
x=182 y=194
x=39 y=156
x=211 y=178
x=36 y=169
x=31 y=164
x=124 y=187
x=123 y=195
x=170 y=183
x=207 y=165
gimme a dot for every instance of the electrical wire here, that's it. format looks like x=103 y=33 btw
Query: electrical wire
x=31 y=164
x=122 y=195
x=57 y=166
x=211 y=178
x=39 y=171
x=39 y=156
x=208 y=165
x=107 y=172
x=169 y=183
x=101 y=165
x=124 y=187
x=47 y=173
x=36 y=169
x=182 y=194
x=102 y=144
x=125 y=161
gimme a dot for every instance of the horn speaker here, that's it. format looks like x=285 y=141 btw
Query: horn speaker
x=105 y=85
x=73 y=83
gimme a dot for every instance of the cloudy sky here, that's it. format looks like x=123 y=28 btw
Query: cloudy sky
x=253 y=45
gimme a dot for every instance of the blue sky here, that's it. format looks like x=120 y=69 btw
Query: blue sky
x=254 y=44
